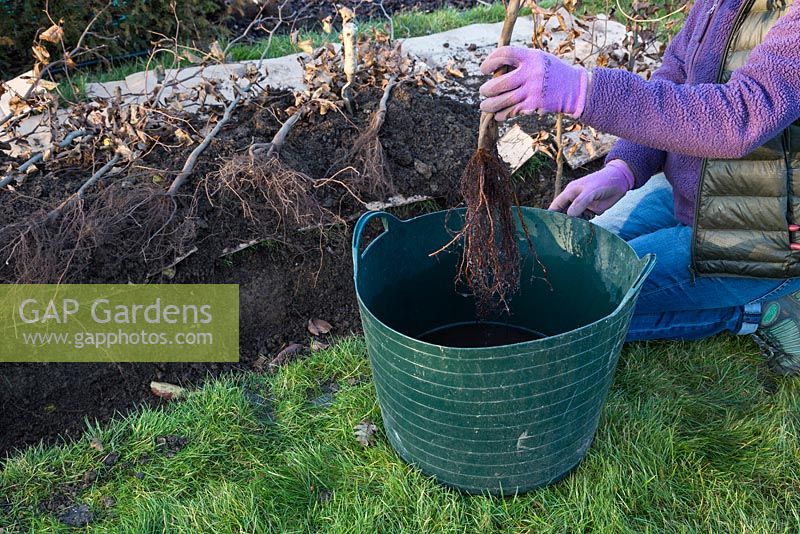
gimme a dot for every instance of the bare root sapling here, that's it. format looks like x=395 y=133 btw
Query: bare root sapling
x=490 y=263
x=265 y=189
x=370 y=173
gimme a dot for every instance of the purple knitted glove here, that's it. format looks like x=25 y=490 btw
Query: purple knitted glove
x=596 y=192
x=539 y=82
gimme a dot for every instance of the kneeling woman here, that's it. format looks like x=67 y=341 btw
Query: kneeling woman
x=706 y=174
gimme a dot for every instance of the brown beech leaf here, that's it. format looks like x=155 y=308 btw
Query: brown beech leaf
x=317 y=345
x=306 y=45
x=260 y=363
x=327 y=24
x=285 y=356
x=190 y=57
x=40 y=53
x=216 y=52
x=96 y=444
x=365 y=433
x=347 y=14
x=452 y=70
x=53 y=34
x=319 y=327
x=166 y=391
x=68 y=61
x=47 y=85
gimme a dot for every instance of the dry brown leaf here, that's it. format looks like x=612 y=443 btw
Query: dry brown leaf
x=17 y=105
x=327 y=24
x=455 y=71
x=40 y=53
x=347 y=14
x=572 y=150
x=183 y=136
x=365 y=433
x=260 y=363
x=191 y=57
x=317 y=345
x=285 y=355
x=68 y=61
x=306 y=45
x=53 y=34
x=216 y=52
x=319 y=327
x=47 y=85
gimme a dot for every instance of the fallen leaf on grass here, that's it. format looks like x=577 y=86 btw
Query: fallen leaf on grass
x=318 y=327
x=318 y=345
x=166 y=391
x=96 y=444
x=260 y=363
x=285 y=356
x=365 y=433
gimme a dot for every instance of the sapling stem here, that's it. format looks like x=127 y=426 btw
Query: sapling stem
x=349 y=32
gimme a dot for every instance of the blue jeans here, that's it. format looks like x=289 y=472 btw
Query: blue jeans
x=672 y=305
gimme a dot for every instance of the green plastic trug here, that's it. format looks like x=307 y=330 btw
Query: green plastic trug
x=499 y=420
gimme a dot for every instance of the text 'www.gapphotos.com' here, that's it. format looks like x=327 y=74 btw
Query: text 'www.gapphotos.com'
x=107 y=340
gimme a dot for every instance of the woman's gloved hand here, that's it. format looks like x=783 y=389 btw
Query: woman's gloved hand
x=539 y=82
x=596 y=192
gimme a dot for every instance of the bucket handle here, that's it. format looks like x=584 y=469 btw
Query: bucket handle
x=647 y=263
x=358 y=231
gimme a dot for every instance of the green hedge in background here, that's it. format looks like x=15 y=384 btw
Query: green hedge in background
x=125 y=26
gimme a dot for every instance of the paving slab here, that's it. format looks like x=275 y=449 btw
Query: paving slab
x=15 y=87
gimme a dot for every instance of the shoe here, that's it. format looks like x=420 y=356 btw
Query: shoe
x=778 y=334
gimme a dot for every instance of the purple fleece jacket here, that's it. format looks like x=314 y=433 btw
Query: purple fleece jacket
x=681 y=115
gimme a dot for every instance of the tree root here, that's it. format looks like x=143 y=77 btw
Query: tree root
x=490 y=261
x=48 y=250
x=142 y=224
x=266 y=192
x=364 y=168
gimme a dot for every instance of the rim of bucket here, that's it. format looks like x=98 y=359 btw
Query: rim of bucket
x=646 y=266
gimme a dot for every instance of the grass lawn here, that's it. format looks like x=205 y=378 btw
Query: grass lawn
x=695 y=437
